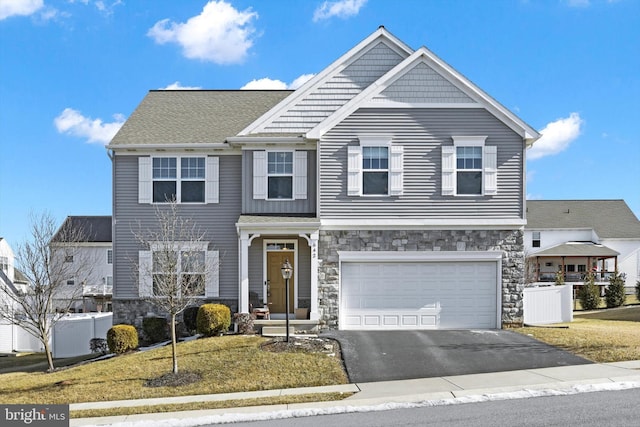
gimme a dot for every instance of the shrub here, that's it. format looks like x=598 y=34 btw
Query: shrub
x=98 y=345
x=189 y=316
x=244 y=322
x=559 y=278
x=155 y=329
x=638 y=290
x=589 y=293
x=614 y=295
x=213 y=319
x=122 y=338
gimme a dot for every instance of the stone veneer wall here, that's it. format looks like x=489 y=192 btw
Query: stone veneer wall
x=509 y=241
x=132 y=311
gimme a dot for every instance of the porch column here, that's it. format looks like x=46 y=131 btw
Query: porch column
x=313 y=242
x=243 y=291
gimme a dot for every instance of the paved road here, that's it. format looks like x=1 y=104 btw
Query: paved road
x=397 y=355
x=610 y=408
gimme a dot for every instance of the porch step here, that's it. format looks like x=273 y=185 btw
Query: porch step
x=276 y=331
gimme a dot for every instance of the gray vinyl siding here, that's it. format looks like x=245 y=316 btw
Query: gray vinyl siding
x=216 y=220
x=278 y=207
x=256 y=265
x=423 y=84
x=422 y=132
x=337 y=91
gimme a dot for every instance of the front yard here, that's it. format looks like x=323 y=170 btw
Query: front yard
x=601 y=336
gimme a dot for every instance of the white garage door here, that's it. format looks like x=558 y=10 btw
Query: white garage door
x=419 y=295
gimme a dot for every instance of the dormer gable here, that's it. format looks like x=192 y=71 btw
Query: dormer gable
x=423 y=80
x=330 y=89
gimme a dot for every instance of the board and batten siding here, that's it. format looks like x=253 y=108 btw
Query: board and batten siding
x=337 y=91
x=289 y=207
x=422 y=132
x=216 y=220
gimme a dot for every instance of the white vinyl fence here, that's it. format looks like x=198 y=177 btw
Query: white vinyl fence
x=548 y=304
x=71 y=335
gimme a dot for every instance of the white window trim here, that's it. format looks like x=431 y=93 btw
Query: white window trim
x=395 y=167
x=211 y=178
x=212 y=269
x=450 y=170
x=261 y=175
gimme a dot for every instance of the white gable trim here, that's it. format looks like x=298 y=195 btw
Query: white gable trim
x=455 y=78
x=380 y=35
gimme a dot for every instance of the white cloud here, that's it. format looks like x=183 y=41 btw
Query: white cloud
x=72 y=122
x=177 y=86
x=19 y=7
x=267 y=83
x=340 y=8
x=556 y=137
x=220 y=34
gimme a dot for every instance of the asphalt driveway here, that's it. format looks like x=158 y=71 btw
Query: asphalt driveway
x=398 y=355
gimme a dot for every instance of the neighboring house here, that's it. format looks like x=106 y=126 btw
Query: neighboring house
x=392 y=184
x=571 y=237
x=94 y=259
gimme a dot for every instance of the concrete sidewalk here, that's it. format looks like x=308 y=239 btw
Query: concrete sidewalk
x=378 y=393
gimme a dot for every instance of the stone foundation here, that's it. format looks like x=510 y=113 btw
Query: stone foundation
x=510 y=242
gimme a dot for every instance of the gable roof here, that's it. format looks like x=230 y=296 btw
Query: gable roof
x=468 y=94
x=608 y=218
x=96 y=229
x=319 y=90
x=186 y=117
x=578 y=249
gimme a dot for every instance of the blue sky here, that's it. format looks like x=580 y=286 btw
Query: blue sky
x=72 y=71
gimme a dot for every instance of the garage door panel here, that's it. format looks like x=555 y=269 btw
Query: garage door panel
x=419 y=295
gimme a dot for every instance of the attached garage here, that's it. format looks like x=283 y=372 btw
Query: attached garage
x=422 y=290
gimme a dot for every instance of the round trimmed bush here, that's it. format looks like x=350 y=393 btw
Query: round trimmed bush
x=189 y=316
x=155 y=329
x=213 y=319
x=122 y=338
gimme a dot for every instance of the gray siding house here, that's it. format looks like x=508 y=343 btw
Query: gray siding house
x=392 y=184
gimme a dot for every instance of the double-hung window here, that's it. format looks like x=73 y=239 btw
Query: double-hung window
x=469 y=167
x=280 y=174
x=178 y=270
x=375 y=167
x=184 y=184
x=181 y=179
x=375 y=170
x=535 y=239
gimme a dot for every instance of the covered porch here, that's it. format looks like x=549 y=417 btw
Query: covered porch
x=265 y=244
x=571 y=261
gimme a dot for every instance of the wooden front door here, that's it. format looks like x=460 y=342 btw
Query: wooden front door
x=276 y=284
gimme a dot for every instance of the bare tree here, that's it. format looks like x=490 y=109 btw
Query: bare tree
x=50 y=260
x=175 y=265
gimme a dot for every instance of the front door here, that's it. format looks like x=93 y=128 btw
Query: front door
x=276 y=284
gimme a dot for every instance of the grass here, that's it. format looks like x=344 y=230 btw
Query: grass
x=629 y=300
x=226 y=364
x=36 y=362
x=600 y=336
x=196 y=406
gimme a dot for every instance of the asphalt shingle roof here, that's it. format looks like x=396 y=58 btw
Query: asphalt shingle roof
x=94 y=228
x=609 y=218
x=194 y=116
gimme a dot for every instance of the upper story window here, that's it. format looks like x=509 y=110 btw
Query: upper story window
x=280 y=175
x=469 y=167
x=375 y=167
x=468 y=170
x=375 y=170
x=535 y=239
x=4 y=264
x=183 y=179
x=184 y=184
x=109 y=256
